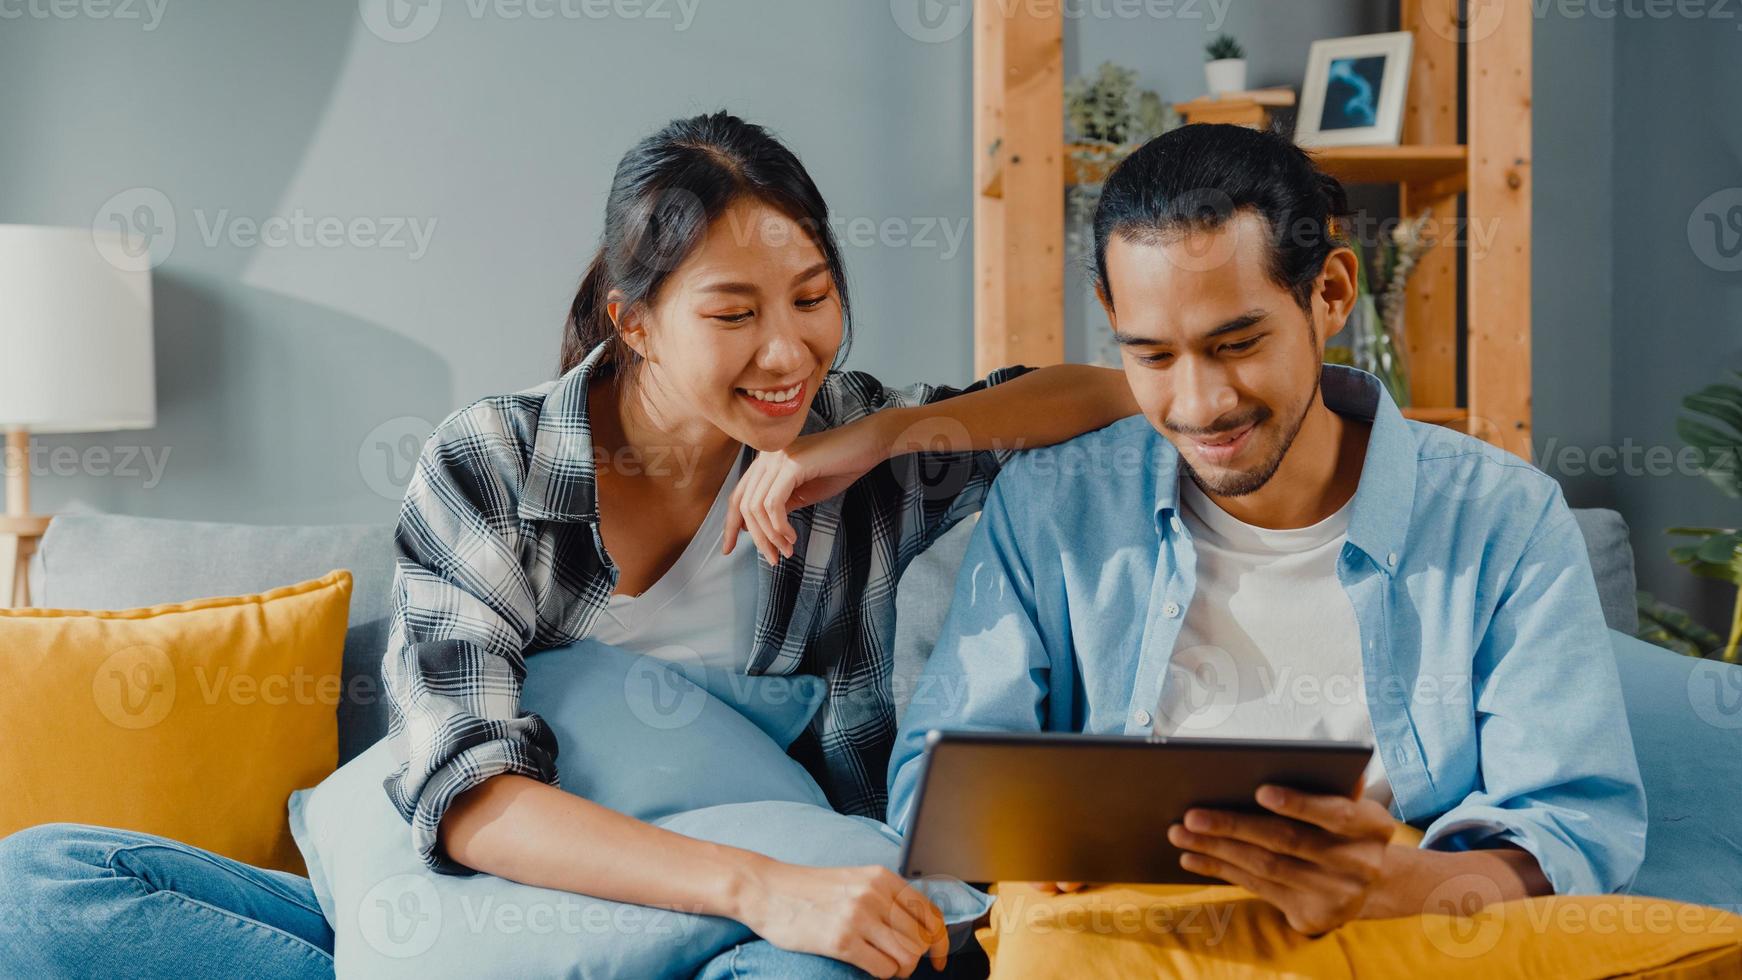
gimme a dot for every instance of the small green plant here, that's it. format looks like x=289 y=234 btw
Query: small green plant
x=1713 y=426
x=1223 y=48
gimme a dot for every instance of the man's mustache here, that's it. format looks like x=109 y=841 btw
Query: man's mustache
x=1254 y=417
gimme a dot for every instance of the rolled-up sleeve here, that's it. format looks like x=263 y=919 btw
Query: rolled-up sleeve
x=464 y=614
x=938 y=488
x=1558 y=773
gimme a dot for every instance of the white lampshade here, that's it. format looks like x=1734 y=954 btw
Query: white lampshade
x=75 y=332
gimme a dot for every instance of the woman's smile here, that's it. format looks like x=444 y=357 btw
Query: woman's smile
x=774 y=402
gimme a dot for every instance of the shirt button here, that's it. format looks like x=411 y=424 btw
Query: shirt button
x=1174 y=523
x=1142 y=717
x=1391 y=559
x=1171 y=610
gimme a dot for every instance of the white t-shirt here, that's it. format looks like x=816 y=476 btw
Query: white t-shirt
x=1270 y=647
x=702 y=610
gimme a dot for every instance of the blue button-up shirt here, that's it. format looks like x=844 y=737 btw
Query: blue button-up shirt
x=1495 y=703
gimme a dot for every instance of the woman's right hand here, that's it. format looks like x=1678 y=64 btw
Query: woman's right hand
x=867 y=916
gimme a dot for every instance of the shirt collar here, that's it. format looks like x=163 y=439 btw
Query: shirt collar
x=1385 y=496
x=560 y=479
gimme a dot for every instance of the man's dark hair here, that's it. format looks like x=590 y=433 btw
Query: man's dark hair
x=1197 y=177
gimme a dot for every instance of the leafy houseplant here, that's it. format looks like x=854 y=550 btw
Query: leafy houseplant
x=1373 y=339
x=1225 y=69
x=1106 y=117
x=1714 y=427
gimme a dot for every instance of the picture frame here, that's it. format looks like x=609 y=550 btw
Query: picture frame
x=1354 y=90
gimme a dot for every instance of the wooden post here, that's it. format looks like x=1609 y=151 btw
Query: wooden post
x=1431 y=118
x=1498 y=297
x=1018 y=173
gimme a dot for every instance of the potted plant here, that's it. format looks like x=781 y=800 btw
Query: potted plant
x=1225 y=71
x=1715 y=552
x=1373 y=338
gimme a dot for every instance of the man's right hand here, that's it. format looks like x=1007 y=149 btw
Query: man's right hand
x=867 y=916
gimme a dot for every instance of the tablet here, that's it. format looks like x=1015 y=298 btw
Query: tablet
x=1095 y=808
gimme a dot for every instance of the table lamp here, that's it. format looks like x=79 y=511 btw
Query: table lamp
x=75 y=356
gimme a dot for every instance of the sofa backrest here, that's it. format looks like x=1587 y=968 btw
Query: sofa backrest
x=101 y=561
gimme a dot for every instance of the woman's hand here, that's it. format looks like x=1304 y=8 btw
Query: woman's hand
x=1319 y=861
x=814 y=468
x=867 y=916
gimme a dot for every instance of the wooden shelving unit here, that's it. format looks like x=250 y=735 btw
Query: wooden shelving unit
x=1019 y=227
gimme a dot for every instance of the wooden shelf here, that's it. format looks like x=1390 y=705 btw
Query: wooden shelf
x=1423 y=165
x=1432 y=171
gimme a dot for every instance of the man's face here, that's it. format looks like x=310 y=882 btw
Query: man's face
x=1223 y=361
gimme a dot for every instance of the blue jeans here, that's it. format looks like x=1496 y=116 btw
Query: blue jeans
x=760 y=959
x=80 y=901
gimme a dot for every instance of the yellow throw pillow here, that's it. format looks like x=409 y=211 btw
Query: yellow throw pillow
x=1222 y=931
x=194 y=720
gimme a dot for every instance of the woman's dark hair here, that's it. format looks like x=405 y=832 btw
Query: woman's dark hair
x=1197 y=177
x=667 y=190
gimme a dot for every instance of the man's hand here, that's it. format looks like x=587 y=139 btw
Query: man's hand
x=1318 y=860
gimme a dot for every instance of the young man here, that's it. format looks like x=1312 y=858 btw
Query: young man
x=1272 y=550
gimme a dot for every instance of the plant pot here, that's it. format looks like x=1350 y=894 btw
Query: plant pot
x=1225 y=75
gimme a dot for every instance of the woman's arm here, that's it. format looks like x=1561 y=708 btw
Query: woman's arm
x=527 y=831
x=1038 y=408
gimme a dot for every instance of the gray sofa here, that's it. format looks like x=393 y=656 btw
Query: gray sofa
x=1685 y=715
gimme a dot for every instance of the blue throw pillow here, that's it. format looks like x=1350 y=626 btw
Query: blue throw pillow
x=635 y=735
x=653 y=737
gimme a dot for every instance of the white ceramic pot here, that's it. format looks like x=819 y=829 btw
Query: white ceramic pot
x=1225 y=75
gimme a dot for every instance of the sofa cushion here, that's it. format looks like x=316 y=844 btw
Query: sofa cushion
x=1686 y=718
x=1611 y=552
x=105 y=561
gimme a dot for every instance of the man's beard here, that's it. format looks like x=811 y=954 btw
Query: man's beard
x=1239 y=484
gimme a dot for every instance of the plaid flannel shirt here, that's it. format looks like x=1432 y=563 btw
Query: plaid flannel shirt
x=500 y=556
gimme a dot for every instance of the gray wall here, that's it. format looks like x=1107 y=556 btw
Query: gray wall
x=296 y=380
x=294 y=377
x=1677 y=291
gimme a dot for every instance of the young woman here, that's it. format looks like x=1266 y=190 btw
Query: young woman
x=698 y=400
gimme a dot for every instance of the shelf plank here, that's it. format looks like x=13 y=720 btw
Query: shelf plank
x=1425 y=165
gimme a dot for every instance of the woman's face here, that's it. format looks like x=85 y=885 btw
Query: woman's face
x=742 y=333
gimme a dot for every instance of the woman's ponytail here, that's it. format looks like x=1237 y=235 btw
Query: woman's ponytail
x=589 y=323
